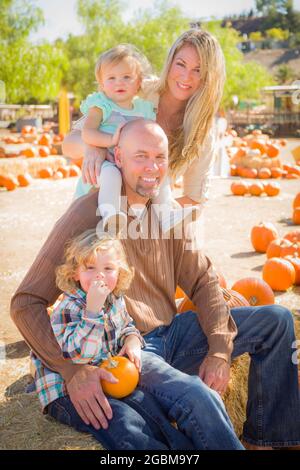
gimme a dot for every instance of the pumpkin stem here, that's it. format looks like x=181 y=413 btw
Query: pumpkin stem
x=111 y=363
x=253 y=300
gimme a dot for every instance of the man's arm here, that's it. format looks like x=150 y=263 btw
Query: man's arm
x=197 y=277
x=38 y=289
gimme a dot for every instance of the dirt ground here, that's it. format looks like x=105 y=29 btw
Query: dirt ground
x=26 y=218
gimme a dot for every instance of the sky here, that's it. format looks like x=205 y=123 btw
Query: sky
x=60 y=15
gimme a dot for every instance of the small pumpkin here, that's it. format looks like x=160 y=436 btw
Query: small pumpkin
x=293 y=236
x=296 y=216
x=256 y=189
x=275 y=248
x=273 y=150
x=125 y=371
x=262 y=235
x=296 y=201
x=255 y=290
x=247 y=172
x=74 y=170
x=259 y=144
x=10 y=182
x=279 y=274
x=45 y=139
x=233 y=170
x=276 y=172
x=45 y=173
x=295 y=260
x=30 y=152
x=264 y=173
x=239 y=188
x=64 y=170
x=44 y=151
x=272 y=189
x=24 y=180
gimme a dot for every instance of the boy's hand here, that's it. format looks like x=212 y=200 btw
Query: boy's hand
x=96 y=296
x=132 y=348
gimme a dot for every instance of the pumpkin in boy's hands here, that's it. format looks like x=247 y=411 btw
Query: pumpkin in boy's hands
x=125 y=371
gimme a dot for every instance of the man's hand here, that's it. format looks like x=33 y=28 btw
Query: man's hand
x=92 y=161
x=132 y=348
x=86 y=394
x=215 y=373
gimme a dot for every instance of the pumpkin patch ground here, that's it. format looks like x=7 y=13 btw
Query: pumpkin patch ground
x=26 y=218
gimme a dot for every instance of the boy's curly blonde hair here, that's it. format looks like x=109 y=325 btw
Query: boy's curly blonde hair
x=81 y=249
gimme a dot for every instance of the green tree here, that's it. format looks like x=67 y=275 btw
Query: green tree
x=244 y=79
x=285 y=74
x=30 y=73
x=267 y=7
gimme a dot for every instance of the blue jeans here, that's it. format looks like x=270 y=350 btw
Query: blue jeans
x=267 y=334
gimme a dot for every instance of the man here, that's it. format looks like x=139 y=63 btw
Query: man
x=195 y=344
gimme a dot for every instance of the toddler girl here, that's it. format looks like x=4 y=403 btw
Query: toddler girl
x=120 y=72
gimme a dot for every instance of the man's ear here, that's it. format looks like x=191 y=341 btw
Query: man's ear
x=118 y=156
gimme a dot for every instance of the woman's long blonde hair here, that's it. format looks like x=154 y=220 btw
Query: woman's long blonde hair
x=203 y=105
x=83 y=248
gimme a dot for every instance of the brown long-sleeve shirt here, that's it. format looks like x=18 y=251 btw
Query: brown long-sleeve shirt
x=160 y=265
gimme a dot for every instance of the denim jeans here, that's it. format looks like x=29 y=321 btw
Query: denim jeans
x=267 y=334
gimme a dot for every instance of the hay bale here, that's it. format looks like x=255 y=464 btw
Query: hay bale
x=235 y=398
x=19 y=165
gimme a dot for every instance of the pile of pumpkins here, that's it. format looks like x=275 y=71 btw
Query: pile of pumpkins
x=242 y=188
x=41 y=145
x=281 y=269
x=257 y=156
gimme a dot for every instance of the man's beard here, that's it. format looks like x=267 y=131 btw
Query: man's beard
x=148 y=193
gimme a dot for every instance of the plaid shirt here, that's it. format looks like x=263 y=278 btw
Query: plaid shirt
x=84 y=337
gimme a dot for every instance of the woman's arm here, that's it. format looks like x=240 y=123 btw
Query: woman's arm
x=91 y=134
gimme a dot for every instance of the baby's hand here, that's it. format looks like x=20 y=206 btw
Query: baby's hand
x=96 y=296
x=116 y=136
x=132 y=348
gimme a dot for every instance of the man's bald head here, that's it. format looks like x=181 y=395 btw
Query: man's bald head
x=142 y=157
x=142 y=127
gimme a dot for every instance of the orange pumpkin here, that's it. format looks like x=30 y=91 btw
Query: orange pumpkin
x=45 y=173
x=296 y=216
x=125 y=371
x=256 y=189
x=44 y=151
x=64 y=170
x=291 y=176
x=45 y=139
x=276 y=172
x=293 y=236
x=273 y=150
x=264 y=173
x=279 y=274
x=272 y=189
x=30 y=152
x=10 y=182
x=53 y=151
x=283 y=142
x=259 y=144
x=24 y=180
x=74 y=170
x=239 y=189
x=233 y=170
x=247 y=172
x=179 y=293
x=275 y=247
x=255 y=290
x=296 y=201
x=296 y=263
x=262 y=235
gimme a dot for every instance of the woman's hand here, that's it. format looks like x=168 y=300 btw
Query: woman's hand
x=132 y=348
x=92 y=161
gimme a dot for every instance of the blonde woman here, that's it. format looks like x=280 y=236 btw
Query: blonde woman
x=186 y=98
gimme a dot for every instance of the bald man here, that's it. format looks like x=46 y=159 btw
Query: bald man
x=200 y=344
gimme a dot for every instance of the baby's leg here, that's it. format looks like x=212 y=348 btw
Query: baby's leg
x=169 y=211
x=109 y=198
